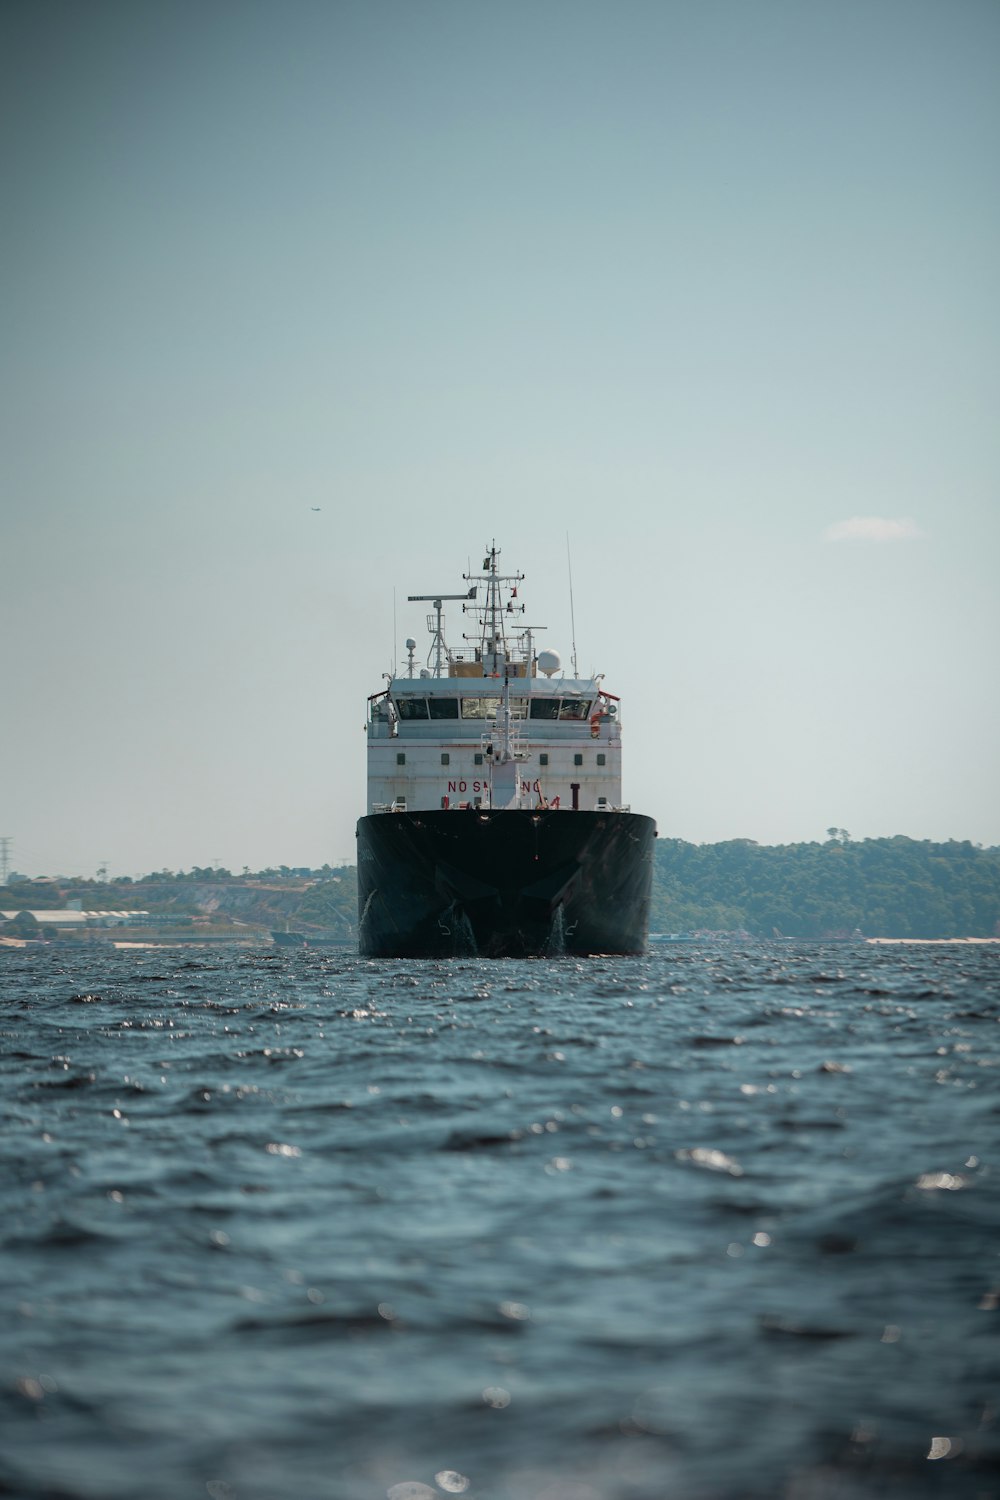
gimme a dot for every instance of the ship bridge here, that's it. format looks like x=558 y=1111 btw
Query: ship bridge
x=494 y=723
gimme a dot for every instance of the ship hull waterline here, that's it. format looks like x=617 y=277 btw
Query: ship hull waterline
x=503 y=883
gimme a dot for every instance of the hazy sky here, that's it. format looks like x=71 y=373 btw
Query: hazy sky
x=711 y=286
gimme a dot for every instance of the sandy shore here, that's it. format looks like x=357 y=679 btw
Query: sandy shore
x=925 y=942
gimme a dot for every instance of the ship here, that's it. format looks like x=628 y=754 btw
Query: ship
x=495 y=824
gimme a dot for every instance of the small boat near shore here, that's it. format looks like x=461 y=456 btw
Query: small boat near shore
x=305 y=940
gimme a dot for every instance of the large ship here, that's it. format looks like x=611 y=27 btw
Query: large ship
x=495 y=822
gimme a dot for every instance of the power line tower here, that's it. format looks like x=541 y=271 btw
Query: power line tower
x=5 y=843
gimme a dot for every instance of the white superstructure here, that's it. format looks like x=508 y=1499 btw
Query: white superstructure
x=493 y=724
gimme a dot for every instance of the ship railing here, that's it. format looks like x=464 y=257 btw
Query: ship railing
x=517 y=656
x=490 y=738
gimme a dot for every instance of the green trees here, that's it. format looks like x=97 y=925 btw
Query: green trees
x=892 y=887
x=332 y=905
x=895 y=887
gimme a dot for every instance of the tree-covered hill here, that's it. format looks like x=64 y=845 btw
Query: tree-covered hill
x=896 y=887
x=893 y=887
x=315 y=902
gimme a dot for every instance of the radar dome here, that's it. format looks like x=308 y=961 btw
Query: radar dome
x=549 y=662
x=411 y=644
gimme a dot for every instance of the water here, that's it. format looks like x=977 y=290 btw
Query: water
x=714 y=1224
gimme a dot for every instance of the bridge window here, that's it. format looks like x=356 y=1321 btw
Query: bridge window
x=574 y=708
x=443 y=708
x=545 y=708
x=480 y=708
x=411 y=708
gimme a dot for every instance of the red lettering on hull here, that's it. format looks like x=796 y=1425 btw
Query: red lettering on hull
x=480 y=788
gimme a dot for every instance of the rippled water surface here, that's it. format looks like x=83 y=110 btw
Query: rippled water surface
x=710 y=1224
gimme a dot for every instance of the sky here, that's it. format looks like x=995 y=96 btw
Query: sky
x=304 y=304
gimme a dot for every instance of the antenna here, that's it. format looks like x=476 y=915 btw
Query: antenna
x=439 y=648
x=572 y=615
x=491 y=615
x=528 y=634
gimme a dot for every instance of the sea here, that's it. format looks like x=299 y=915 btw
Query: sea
x=717 y=1223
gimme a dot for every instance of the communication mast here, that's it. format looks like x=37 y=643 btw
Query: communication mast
x=490 y=614
x=435 y=623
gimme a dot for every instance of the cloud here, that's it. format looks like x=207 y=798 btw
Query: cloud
x=873 y=529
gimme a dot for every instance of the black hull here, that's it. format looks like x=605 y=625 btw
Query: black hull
x=503 y=884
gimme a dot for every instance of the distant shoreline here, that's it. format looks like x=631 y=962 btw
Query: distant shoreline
x=925 y=942
x=263 y=942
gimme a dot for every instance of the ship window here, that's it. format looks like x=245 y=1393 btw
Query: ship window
x=574 y=708
x=401 y=758
x=578 y=760
x=480 y=708
x=602 y=759
x=545 y=708
x=445 y=758
x=477 y=758
x=543 y=759
x=411 y=708
x=443 y=708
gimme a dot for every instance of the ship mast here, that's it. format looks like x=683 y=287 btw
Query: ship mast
x=502 y=742
x=493 y=648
